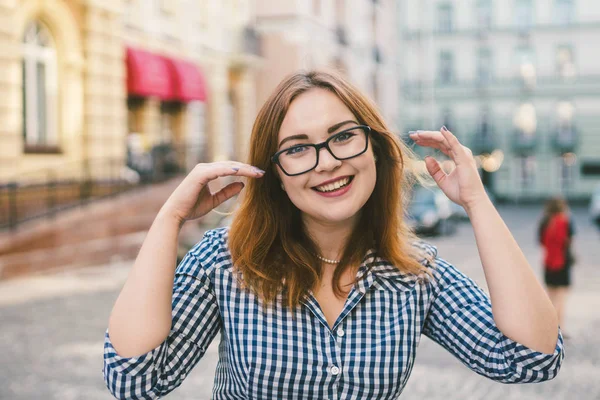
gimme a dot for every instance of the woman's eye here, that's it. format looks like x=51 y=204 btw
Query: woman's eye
x=295 y=150
x=342 y=137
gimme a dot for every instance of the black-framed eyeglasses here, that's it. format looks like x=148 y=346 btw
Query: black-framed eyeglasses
x=301 y=158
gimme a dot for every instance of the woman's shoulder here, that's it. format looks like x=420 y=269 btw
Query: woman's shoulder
x=441 y=270
x=425 y=252
x=209 y=254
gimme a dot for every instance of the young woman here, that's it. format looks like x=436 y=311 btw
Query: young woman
x=555 y=234
x=318 y=288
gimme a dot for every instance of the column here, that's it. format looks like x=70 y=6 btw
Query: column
x=246 y=111
x=105 y=110
x=10 y=105
x=150 y=123
x=216 y=113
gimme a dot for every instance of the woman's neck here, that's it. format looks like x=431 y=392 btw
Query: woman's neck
x=330 y=238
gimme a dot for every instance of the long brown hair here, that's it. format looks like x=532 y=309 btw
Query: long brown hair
x=271 y=249
x=554 y=205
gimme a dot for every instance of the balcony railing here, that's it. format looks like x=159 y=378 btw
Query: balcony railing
x=508 y=87
x=523 y=144
x=514 y=29
x=45 y=192
x=565 y=140
x=483 y=143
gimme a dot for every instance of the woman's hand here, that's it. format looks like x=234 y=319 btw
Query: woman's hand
x=463 y=185
x=192 y=199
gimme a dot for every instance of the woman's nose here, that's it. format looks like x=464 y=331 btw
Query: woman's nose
x=327 y=161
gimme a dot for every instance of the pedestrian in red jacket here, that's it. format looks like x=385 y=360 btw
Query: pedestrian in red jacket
x=555 y=235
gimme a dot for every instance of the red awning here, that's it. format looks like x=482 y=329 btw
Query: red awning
x=148 y=75
x=187 y=82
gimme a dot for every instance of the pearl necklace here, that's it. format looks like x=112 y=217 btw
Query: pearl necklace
x=327 y=260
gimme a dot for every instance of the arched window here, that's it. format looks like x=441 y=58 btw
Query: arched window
x=39 y=89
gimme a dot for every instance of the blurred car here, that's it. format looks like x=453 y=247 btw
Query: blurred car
x=430 y=212
x=460 y=214
x=595 y=206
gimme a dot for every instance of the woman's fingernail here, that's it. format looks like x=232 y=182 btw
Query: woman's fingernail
x=235 y=169
x=258 y=170
x=444 y=128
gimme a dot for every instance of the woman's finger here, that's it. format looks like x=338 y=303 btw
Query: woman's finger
x=226 y=193
x=435 y=170
x=436 y=145
x=430 y=136
x=455 y=146
x=209 y=172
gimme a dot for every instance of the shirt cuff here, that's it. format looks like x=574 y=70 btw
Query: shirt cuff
x=532 y=365
x=133 y=366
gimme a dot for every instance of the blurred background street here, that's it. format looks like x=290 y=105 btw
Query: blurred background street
x=53 y=326
x=107 y=105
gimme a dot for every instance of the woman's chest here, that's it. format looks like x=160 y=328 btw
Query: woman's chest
x=376 y=338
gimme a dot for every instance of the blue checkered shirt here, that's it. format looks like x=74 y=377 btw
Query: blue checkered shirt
x=264 y=353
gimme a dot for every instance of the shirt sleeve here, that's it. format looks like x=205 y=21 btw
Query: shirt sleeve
x=460 y=320
x=194 y=326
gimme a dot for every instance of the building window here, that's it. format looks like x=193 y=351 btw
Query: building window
x=39 y=89
x=526 y=65
x=485 y=129
x=527 y=172
x=567 y=168
x=565 y=64
x=565 y=129
x=565 y=112
x=484 y=65
x=484 y=14
x=525 y=120
x=445 y=17
x=564 y=11
x=446 y=67
x=524 y=14
x=447 y=119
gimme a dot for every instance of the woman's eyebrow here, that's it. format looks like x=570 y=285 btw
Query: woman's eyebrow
x=293 y=137
x=337 y=126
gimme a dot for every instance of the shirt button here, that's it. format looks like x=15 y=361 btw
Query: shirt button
x=335 y=370
x=340 y=332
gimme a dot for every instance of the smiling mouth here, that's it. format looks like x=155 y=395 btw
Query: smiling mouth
x=332 y=187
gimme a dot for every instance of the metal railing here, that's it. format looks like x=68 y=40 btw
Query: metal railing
x=44 y=193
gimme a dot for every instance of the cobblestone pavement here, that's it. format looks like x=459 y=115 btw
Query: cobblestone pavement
x=52 y=329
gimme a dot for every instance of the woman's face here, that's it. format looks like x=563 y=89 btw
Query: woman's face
x=318 y=114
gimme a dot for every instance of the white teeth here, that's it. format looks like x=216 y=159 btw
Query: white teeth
x=333 y=186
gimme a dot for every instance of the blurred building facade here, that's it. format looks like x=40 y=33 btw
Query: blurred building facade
x=517 y=82
x=91 y=79
x=356 y=37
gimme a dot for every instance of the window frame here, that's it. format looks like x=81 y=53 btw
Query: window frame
x=445 y=17
x=39 y=49
x=448 y=57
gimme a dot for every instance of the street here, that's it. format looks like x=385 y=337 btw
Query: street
x=53 y=327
